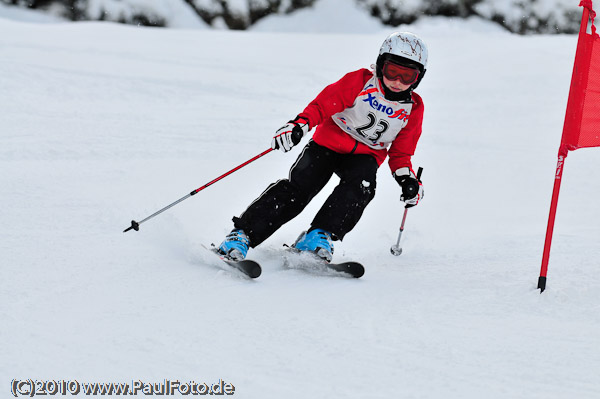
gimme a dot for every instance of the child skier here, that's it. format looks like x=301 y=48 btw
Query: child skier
x=358 y=118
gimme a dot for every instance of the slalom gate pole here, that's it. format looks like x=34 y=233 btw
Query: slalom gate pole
x=136 y=225
x=397 y=249
x=571 y=139
x=551 y=217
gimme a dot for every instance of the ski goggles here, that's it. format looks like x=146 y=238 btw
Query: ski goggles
x=406 y=75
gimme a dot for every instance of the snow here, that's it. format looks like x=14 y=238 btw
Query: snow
x=26 y=15
x=177 y=14
x=324 y=16
x=103 y=123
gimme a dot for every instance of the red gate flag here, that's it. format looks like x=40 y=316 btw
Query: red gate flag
x=582 y=120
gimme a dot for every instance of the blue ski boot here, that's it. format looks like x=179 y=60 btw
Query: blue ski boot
x=235 y=245
x=318 y=241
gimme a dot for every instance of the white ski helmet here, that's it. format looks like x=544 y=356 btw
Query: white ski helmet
x=406 y=49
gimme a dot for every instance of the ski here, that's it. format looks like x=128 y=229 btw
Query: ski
x=309 y=261
x=249 y=267
x=354 y=269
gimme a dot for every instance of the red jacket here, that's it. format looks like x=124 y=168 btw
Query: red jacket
x=344 y=94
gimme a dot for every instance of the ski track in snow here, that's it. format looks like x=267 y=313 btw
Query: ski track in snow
x=103 y=123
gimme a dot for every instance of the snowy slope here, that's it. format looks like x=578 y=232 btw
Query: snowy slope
x=104 y=123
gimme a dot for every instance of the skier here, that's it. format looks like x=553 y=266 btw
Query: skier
x=357 y=118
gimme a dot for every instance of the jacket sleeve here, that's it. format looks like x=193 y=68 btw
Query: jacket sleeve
x=403 y=147
x=336 y=97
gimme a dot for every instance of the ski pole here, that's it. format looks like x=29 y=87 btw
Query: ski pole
x=397 y=249
x=136 y=225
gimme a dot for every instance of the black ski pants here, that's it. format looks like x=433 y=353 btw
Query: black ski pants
x=286 y=198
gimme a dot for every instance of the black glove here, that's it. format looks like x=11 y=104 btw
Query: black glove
x=412 y=189
x=290 y=134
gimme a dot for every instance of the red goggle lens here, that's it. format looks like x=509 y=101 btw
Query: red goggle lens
x=406 y=75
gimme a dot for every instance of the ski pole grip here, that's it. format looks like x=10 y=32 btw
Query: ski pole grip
x=297 y=135
x=419 y=172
